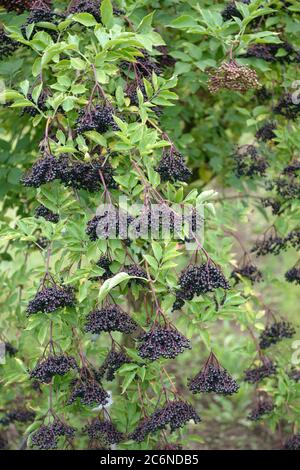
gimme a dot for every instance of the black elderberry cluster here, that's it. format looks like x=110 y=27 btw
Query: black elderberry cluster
x=46 y=437
x=137 y=271
x=19 y=6
x=269 y=245
x=160 y=342
x=266 y=132
x=104 y=262
x=113 y=361
x=287 y=106
x=172 y=167
x=273 y=203
x=263 y=94
x=293 y=442
x=165 y=59
x=41 y=13
x=249 y=271
x=85 y=175
x=47 y=214
x=292 y=168
x=175 y=414
x=10 y=349
x=103 y=430
x=269 y=52
x=263 y=408
x=287 y=187
x=18 y=415
x=248 y=162
x=294 y=374
x=51 y=366
x=41 y=104
x=112 y=223
x=7 y=45
x=99 y=119
x=145 y=65
x=109 y=318
x=276 y=332
x=257 y=374
x=213 y=378
x=231 y=11
x=88 y=390
x=197 y=280
x=293 y=275
x=43 y=171
x=50 y=299
x=86 y=6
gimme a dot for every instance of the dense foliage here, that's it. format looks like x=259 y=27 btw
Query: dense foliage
x=113 y=337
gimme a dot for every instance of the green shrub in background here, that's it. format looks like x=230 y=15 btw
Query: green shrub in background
x=172 y=103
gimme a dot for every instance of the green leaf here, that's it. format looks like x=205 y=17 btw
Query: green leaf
x=94 y=136
x=106 y=10
x=85 y=18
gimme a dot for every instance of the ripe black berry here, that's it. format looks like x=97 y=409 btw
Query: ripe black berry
x=175 y=413
x=138 y=272
x=109 y=318
x=269 y=245
x=276 y=332
x=273 y=203
x=41 y=104
x=51 y=366
x=267 y=369
x=50 y=299
x=19 y=415
x=172 y=167
x=287 y=106
x=110 y=224
x=7 y=45
x=213 y=378
x=10 y=349
x=230 y=11
x=40 y=12
x=19 y=6
x=86 y=6
x=47 y=214
x=160 y=342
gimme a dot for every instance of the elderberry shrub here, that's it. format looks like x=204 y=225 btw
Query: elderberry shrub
x=7 y=45
x=46 y=437
x=287 y=107
x=269 y=52
x=51 y=366
x=293 y=275
x=197 y=280
x=87 y=389
x=99 y=119
x=103 y=430
x=263 y=408
x=50 y=299
x=172 y=167
x=86 y=6
x=276 y=332
x=248 y=162
x=47 y=214
x=113 y=361
x=271 y=245
x=174 y=413
x=109 y=318
x=292 y=443
x=213 y=378
x=43 y=171
x=160 y=342
x=249 y=271
x=255 y=375
x=18 y=415
x=266 y=132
